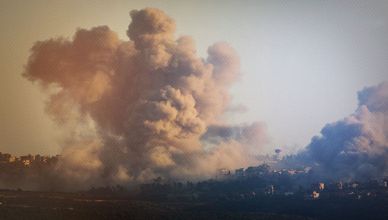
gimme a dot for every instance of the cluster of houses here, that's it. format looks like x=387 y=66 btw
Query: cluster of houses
x=26 y=160
x=317 y=190
x=260 y=170
x=352 y=189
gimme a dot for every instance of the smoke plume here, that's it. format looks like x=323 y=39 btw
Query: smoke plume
x=141 y=108
x=357 y=146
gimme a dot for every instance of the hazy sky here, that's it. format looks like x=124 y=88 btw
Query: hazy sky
x=302 y=61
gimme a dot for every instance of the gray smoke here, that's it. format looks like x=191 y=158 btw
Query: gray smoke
x=357 y=146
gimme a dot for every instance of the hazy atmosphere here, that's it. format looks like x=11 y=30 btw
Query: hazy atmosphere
x=302 y=62
x=194 y=110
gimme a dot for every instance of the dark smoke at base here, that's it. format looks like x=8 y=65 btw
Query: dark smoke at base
x=138 y=109
x=355 y=147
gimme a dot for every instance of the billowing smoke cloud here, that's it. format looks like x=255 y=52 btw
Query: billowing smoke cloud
x=357 y=146
x=141 y=108
x=252 y=135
